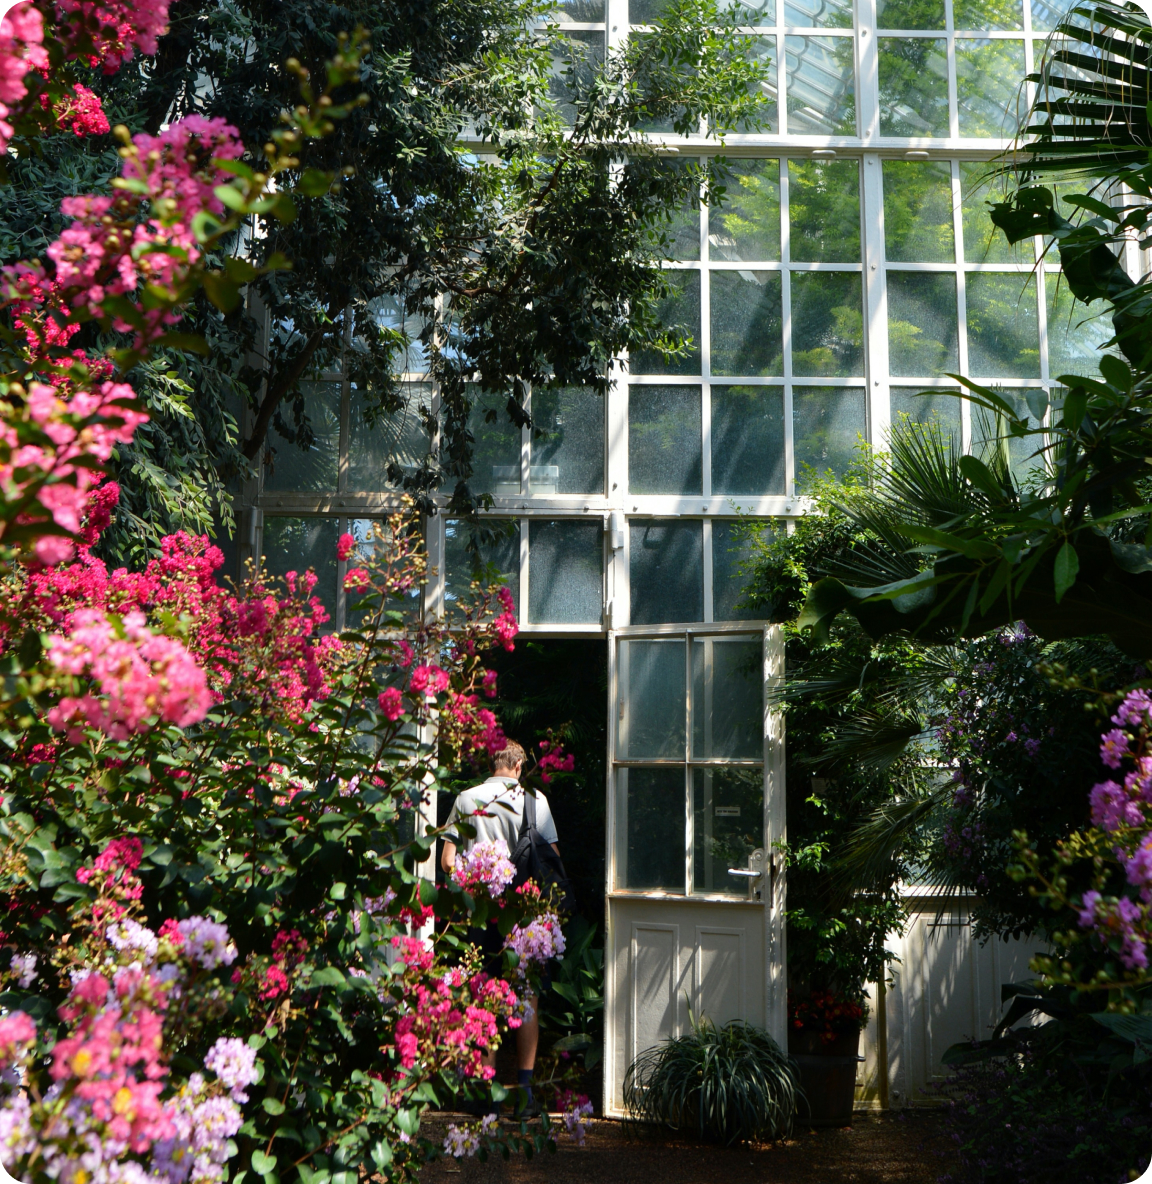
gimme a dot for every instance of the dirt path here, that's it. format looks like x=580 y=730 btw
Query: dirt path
x=885 y=1149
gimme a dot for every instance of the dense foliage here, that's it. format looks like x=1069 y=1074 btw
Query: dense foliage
x=467 y=215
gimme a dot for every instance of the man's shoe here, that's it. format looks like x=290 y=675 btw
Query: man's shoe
x=526 y=1105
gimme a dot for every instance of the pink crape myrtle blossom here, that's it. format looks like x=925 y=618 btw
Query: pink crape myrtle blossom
x=81 y=112
x=485 y=865
x=21 y=49
x=391 y=703
x=139 y=675
x=108 y=32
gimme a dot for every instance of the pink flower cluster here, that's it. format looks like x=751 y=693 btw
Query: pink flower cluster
x=484 y=866
x=140 y=676
x=81 y=111
x=429 y=680
x=451 y=1023
x=538 y=942
x=42 y=456
x=21 y=49
x=108 y=32
x=553 y=758
x=505 y=624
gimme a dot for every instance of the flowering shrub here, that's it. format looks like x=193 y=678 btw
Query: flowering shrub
x=827 y=1013
x=484 y=866
x=1103 y=879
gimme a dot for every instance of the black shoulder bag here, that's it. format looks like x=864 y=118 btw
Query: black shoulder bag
x=534 y=859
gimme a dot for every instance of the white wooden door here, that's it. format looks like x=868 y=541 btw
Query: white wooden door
x=695 y=804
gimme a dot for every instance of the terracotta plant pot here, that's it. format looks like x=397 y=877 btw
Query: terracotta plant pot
x=827 y=1073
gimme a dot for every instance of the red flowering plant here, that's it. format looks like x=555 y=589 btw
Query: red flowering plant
x=826 y=1013
x=212 y=832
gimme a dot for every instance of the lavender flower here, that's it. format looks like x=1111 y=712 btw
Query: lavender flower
x=235 y=1064
x=24 y=967
x=207 y=942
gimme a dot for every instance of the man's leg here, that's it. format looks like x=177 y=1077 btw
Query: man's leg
x=528 y=1037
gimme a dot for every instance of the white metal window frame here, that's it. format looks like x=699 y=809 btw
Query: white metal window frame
x=615 y=505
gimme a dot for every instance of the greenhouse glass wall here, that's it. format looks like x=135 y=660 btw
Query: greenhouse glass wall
x=853 y=268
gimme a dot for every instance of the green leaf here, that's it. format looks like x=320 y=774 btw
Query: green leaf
x=262 y=1162
x=1064 y=570
x=327 y=976
x=240 y=270
x=272 y=1106
x=284 y=208
x=192 y=342
x=1074 y=407
x=315 y=183
x=223 y=293
x=230 y=196
x=981 y=476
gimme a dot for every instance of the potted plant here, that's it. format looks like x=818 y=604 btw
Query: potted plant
x=824 y=1042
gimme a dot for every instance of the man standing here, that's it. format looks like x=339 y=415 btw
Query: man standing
x=496 y=810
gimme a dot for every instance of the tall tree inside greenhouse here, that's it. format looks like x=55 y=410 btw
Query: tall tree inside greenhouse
x=491 y=207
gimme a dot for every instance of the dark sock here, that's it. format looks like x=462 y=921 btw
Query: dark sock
x=524 y=1080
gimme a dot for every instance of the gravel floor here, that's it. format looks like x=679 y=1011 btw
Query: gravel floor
x=901 y=1148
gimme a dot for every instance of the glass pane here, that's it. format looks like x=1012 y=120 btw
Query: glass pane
x=910 y=14
x=828 y=423
x=818 y=14
x=928 y=407
x=664 y=439
x=1076 y=331
x=727 y=826
x=748 y=439
x=988 y=14
x=312 y=415
x=493 y=558
x=574 y=72
x=567 y=441
x=1047 y=14
x=364 y=531
x=651 y=709
x=751 y=12
x=683 y=227
x=385 y=312
x=746 y=322
x=384 y=451
x=1003 y=337
x=983 y=242
x=496 y=445
x=918 y=212
x=827 y=324
x=583 y=11
x=727 y=698
x=913 y=86
x=679 y=310
x=666 y=571
x=762 y=52
x=746 y=228
x=922 y=323
x=565 y=572
x=731 y=548
x=990 y=87
x=824 y=211
x=297 y=544
x=821 y=80
x=650 y=829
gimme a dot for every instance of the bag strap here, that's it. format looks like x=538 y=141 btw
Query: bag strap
x=529 y=810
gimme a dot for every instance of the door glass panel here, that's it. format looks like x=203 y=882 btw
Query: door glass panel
x=727 y=826
x=727 y=698
x=651 y=711
x=650 y=828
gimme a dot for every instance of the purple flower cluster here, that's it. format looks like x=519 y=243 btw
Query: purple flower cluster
x=234 y=1063
x=207 y=942
x=538 y=942
x=485 y=865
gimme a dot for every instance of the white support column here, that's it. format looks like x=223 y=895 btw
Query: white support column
x=775 y=831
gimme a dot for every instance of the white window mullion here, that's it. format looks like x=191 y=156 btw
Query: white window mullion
x=867 y=71
x=875 y=301
x=961 y=299
x=786 y=328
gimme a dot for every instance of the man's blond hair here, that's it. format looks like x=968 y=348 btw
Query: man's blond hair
x=509 y=756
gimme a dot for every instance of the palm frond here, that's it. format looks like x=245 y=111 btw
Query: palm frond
x=869 y=740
